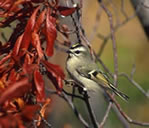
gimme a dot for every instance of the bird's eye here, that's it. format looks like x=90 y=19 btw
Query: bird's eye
x=77 y=52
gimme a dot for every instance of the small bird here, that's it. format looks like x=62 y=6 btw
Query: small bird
x=82 y=69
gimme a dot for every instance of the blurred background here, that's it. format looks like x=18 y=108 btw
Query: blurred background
x=132 y=47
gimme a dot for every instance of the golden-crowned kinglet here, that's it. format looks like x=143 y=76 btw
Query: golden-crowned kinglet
x=86 y=73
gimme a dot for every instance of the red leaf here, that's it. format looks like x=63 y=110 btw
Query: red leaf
x=65 y=11
x=6 y=3
x=14 y=90
x=50 y=33
x=28 y=30
x=36 y=43
x=40 y=20
x=29 y=68
x=56 y=72
x=29 y=112
x=17 y=46
x=37 y=1
x=28 y=59
x=4 y=59
x=12 y=76
x=6 y=67
x=56 y=69
x=11 y=121
x=35 y=37
x=39 y=84
x=15 y=6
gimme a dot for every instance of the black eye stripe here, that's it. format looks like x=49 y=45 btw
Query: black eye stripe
x=95 y=73
x=77 y=52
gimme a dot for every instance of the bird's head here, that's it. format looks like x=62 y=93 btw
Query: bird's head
x=78 y=50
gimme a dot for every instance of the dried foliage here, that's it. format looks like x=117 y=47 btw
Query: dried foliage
x=24 y=60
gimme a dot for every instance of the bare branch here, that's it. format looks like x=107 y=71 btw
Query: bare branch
x=105 y=116
x=123 y=9
x=85 y=98
x=116 y=28
x=45 y=121
x=93 y=33
x=81 y=35
x=133 y=71
x=78 y=115
x=70 y=103
x=91 y=113
x=113 y=42
x=131 y=121
x=135 y=84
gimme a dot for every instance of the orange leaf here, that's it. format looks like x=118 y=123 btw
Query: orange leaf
x=12 y=76
x=14 y=90
x=17 y=45
x=40 y=20
x=20 y=103
x=11 y=121
x=39 y=84
x=28 y=59
x=36 y=43
x=51 y=33
x=4 y=59
x=65 y=11
x=6 y=3
x=43 y=110
x=28 y=30
x=29 y=112
x=15 y=5
x=53 y=68
x=1 y=85
x=55 y=73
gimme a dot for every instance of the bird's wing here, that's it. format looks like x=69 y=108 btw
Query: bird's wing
x=83 y=71
x=94 y=74
x=102 y=80
x=99 y=77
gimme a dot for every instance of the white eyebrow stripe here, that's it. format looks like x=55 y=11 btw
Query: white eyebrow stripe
x=79 y=49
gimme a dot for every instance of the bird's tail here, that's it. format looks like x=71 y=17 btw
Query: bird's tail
x=119 y=93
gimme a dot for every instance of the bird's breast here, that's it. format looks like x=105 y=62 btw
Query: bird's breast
x=72 y=66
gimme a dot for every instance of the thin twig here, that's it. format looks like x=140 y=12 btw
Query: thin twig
x=113 y=42
x=123 y=9
x=105 y=116
x=3 y=36
x=105 y=39
x=73 y=95
x=78 y=115
x=135 y=84
x=116 y=28
x=85 y=98
x=103 y=65
x=90 y=110
x=133 y=71
x=124 y=122
x=34 y=123
x=45 y=121
x=126 y=116
x=93 y=33
x=115 y=58
x=65 y=97
x=76 y=23
x=115 y=9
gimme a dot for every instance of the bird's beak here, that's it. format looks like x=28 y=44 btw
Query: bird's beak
x=69 y=51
